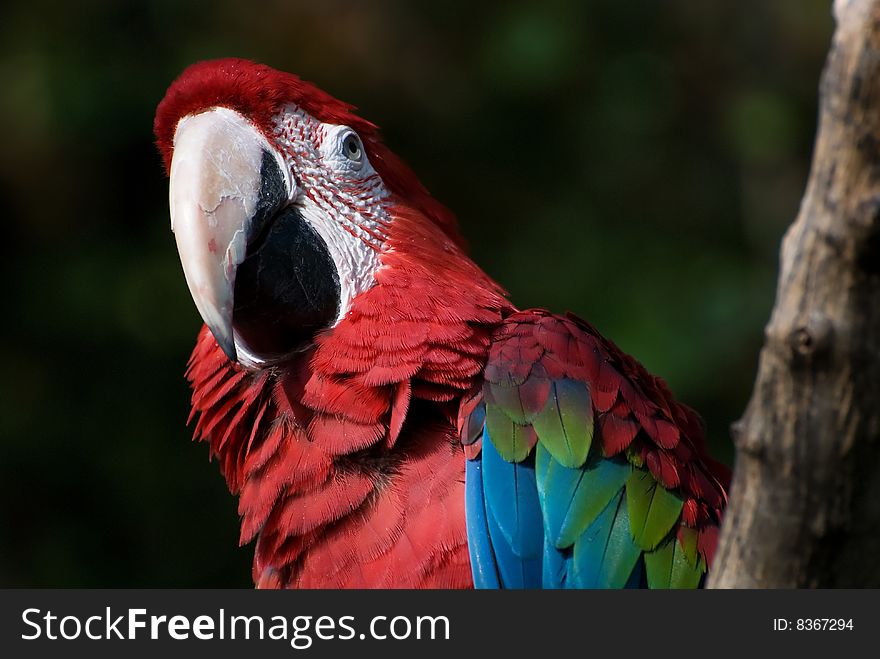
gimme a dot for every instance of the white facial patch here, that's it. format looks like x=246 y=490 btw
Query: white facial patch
x=340 y=195
x=355 y=260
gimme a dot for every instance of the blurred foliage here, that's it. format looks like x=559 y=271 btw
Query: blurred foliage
x=636 y=163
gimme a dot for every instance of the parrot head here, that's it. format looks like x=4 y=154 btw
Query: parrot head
x=282 y=201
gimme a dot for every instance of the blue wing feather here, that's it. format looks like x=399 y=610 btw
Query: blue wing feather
x=512 y=540
x=557 y=489
x=556 y=565
x=513 y=516
x=589 y=550
x=605 y=555
x=515 y=572
x=483 y=565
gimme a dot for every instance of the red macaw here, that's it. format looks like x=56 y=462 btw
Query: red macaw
x=385 y=414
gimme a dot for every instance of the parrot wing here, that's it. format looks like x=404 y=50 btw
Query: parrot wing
x=582 y=470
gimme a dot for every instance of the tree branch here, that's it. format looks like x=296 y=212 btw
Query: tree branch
x=805 y=500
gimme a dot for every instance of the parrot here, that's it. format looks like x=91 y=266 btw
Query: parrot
x=385 y=415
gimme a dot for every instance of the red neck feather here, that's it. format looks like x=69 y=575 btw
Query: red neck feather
x=345 y=458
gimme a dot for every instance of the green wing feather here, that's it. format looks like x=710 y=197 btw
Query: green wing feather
x=512 y=440
x=565 y=425
x=604 y=555
x=668 y=567
x=573 y=498
x=653 y=509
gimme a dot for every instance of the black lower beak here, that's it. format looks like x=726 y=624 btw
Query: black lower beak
x=286 y=290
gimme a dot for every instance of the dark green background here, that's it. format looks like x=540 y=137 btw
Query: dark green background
x=636 y=163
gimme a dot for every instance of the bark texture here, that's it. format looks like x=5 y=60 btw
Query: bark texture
x=805 y=501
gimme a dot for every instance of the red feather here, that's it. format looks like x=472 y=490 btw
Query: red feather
x=617 y=433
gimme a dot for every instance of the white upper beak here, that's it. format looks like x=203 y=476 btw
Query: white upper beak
x=214 y=193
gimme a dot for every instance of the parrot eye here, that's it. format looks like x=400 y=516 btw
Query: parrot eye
x=351 y=147
x=343 y=150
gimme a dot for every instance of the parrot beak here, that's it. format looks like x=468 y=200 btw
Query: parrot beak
x=226 y=183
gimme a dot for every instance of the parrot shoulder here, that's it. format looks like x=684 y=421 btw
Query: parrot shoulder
x=582 y=469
